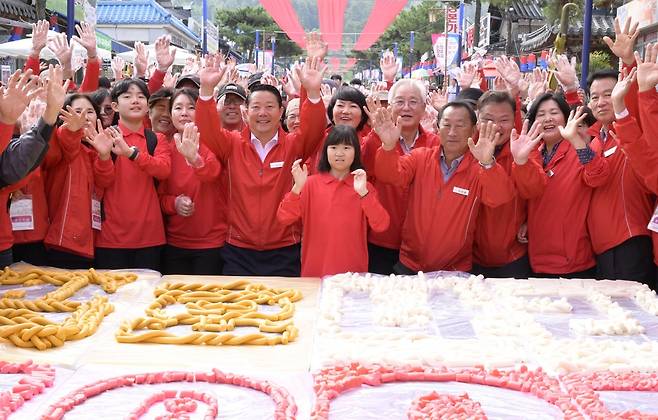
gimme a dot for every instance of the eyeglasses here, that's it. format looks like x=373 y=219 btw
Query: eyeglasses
x=412 y=103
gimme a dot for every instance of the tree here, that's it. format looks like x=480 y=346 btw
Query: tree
x=414 y=19
x=240 y=25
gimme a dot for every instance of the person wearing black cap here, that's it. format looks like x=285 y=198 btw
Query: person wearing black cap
x=159 y=112
x=254 y=80
x=229 y=100
x=470 y=96
x=188 y=81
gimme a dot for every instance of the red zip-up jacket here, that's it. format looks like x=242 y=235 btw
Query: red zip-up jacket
x=558 y=203
x=256 y=188
x=393 y=198
x=74 y=174
x=206 y=227
x=439 y=228
x=132 y=210
x=335 y=223
x=642 y=158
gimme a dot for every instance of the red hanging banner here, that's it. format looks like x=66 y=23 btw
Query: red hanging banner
x=284 y=15
x=331 y=14
x=383 y=13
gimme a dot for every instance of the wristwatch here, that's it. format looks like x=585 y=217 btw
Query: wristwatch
x=134 y=154
x=490 y=164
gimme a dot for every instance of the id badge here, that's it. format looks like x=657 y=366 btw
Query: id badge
x=653 y=223
x=95 y=213
x=21 y=213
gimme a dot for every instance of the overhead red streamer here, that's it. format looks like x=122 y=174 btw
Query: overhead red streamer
x=383 y=13
x=334 y=63
x=347 y=66
x=331 y=14
x=284 y=15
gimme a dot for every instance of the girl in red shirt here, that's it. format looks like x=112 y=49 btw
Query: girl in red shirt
x=192 y=199
x=336 y=207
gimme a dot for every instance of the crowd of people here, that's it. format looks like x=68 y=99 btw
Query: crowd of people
x=219 y=172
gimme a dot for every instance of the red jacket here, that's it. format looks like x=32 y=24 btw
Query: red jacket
x=132 y=209
x=89 y=82
x=439 y=228
x=74 y=175
x=393 y=198
x=496 y=243
x=206 y=227
x=256 y=188
x=642 y=158
x=558 y=203
x=335 y=222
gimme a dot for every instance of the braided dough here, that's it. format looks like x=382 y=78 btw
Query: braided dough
x=213 y=311
x=23 y=325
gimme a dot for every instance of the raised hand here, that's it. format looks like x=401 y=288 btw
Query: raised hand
x=31 y=115
x=360 y=182
x=428 y=121
x=499 y=84
x=59 y=45
x=570 y=131
x=118 y=64
x=372 y=106
x=439 y=98
x=20 y=90
x=311 y=74
x=624 y=41
x=100 y=139
x=170 y=80
x=211 y=73
x=268 y=79
x=73 y=121
x=467 y=75
x=164 y=55
x=522 y=145
x=86 y=38
x=388 y=66
x=299 y=175
x=483 y=151
x=510 y=73
x=538 y=83
x=387 y=128
x=141 y=59
x=327 y=93
x=647 y=70
x=119 y=145
x=565 y=72
x=315 y=46
x=39 y=37
x=624 y=82
x=188 y=143
x=57 y=89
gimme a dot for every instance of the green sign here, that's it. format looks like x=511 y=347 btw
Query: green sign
x=59 y=6
x=103 y=41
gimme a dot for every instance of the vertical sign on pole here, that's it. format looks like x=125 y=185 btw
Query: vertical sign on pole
x=256 y=50
x=204 y=27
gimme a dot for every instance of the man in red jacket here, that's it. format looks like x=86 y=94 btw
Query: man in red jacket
x=258 y=162
x=620 y=208
x=446 y=187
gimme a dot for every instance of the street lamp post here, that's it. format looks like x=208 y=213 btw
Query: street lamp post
x=70 y=18
x=273 y=41
x=204 y=26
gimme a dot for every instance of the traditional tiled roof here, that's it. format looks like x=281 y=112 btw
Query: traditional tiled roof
x=138 y=12
x=18 y=8
x=526 y=9
x=602 y=25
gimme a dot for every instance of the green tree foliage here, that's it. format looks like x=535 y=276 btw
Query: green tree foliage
x=414 y=19
x=239 y=25
x=600 y=60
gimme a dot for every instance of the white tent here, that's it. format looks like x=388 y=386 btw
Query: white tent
x=22 y=47
x=181 y=55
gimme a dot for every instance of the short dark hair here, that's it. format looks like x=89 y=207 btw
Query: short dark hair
x=262 y=87
x=99 y=95
x=558 y=98
x=341 y=134
x=74 y=96
x=602 y=74
x=470 y=95
x=123 y=85
x=496 y=97
x=352 y=94
x=104 y=82
x=336 y=77
x=161 y=94
x=459 y=104
x=191 y=93
x=356 y=82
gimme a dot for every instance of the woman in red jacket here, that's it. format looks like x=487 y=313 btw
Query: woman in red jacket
x=76 y=170
x=559 y=193
x=336 y=207
x=192 y=199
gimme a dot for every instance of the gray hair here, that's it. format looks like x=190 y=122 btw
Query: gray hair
x=417 y=84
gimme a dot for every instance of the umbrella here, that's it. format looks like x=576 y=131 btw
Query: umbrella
x=22 y=48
